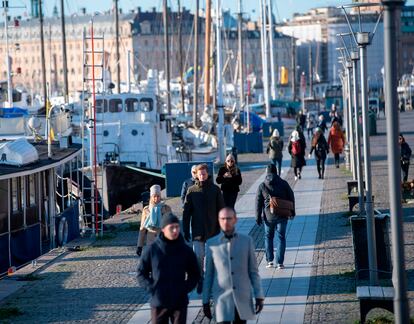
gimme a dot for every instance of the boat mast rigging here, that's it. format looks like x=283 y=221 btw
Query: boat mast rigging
x=167 y=55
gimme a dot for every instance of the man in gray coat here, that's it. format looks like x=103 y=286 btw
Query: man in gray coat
x=231 y=277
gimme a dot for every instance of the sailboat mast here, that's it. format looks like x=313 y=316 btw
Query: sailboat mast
x=117 y=57
x=195 y=101
x=42 y=54
x=293 y=68
x=241 y=64
x=220 y=103
x=9 y=81
x=272 y=58
x=64 y=55
x=207 y=100
x=180 y=49
x=167 y=56
x=310 y=72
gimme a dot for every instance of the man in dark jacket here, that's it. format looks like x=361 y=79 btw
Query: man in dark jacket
x=188 y=183
x=202 y=205
x=273 y=186
x=168 y=270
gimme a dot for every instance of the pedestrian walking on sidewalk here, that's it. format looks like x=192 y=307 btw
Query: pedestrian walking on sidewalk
x=188 y=183
x=405 y=156
x=229 y=176
x=273 y=186
x=296 y=149
x=322 y=123
x=151 y=218
x=321 y=148
x=202 y=205
x=232 y=278
x=310 y=123
x=275 y=150
x=336 y=140
x=169 y=271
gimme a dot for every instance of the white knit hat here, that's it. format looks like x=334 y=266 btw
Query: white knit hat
x=275 y=133
x=155 y=190
x=295 y=136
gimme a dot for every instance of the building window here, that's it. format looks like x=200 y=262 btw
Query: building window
x=115 y=105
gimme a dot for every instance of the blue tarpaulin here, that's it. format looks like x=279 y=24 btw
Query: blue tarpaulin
x=13 y=112
x=256 y=122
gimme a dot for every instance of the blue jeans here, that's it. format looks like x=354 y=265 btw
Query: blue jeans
x=278 y=165
x=279 y=225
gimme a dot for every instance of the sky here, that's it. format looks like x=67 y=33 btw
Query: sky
x=283 y=9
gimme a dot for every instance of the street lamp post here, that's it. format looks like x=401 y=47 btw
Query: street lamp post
x=355 y=59
x=391 y=16
x=362 y=40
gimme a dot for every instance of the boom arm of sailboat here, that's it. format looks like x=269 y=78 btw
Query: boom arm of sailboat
x=154 y=174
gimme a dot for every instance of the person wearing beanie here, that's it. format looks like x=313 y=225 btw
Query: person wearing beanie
x=168 y=271
x=296 y=149
x=273 y=186
x=229 y=176
x=275 y=150
x=151 y=218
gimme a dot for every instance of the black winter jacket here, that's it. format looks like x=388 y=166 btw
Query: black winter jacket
x=321 y=148
x=273 y=186
x=168 y=270
x=186 y=184
x=202 y=205
x=229 y=184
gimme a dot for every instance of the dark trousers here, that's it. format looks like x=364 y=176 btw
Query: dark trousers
x=336 y=158
x=320 y=165
x=297 y=171
x=237 y=319
x=160 y=315
x=404 y=168
x=278 y=165
x=230 y=198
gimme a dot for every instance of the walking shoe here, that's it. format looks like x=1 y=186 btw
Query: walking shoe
x=320 y=177
x=300 y=176
x=337 y=166
x=270 y=264
x=280 y=266
x=296 y=178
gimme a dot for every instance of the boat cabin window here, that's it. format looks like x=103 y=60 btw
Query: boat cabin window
x=16 y=195
x=4 y=207
x=146 y=104
x=115 y=105
x=101 y=106
x=131 y=104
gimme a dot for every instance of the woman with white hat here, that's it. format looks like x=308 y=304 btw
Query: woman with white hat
x=275 y=150
x=151 y=218
x=296 y=149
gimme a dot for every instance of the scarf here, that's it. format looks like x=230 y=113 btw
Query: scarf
x=154 y=218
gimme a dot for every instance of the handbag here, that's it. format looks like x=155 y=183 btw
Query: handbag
x=280 y=207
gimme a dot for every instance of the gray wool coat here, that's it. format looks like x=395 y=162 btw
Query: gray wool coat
x=231 y=277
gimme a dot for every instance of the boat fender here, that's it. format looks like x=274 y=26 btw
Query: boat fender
x=63 y=231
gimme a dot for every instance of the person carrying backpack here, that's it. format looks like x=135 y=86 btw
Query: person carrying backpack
x=296 y=149
x=275 y=150
x=321 y=148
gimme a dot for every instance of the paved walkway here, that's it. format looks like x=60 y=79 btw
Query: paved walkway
x=286 y=290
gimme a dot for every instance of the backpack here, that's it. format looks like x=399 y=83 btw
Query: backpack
x=320 y=149
x=296 y=148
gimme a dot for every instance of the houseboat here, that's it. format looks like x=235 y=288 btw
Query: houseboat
x=39 y=205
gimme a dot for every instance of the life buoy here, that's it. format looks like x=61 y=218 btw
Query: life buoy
x=63 y=231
